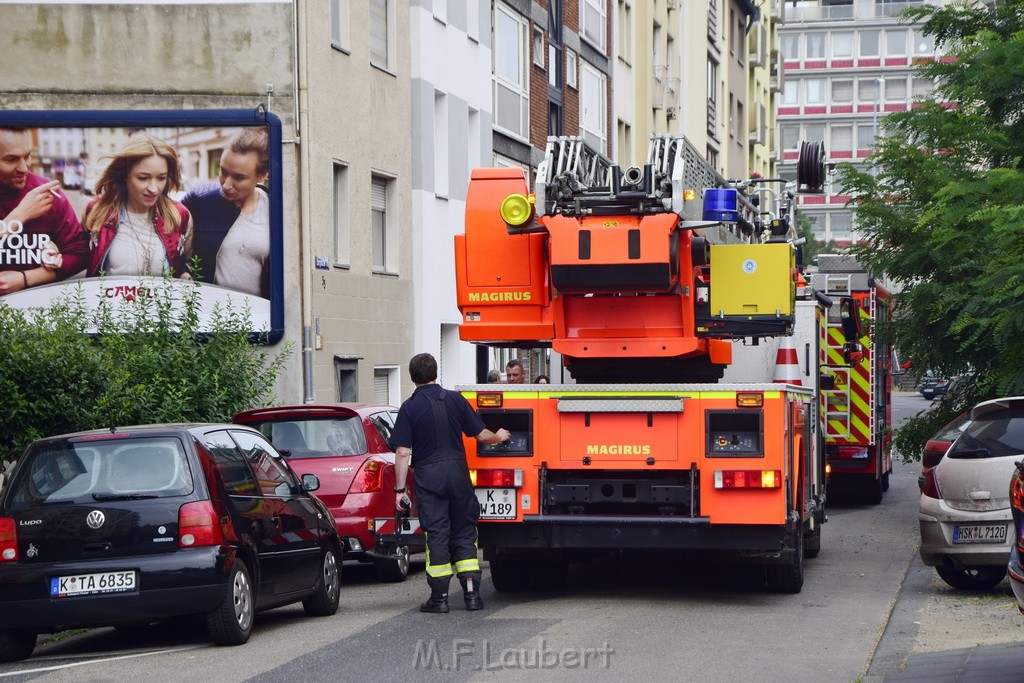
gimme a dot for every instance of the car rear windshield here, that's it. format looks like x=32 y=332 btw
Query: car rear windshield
x=316 y=438
x=97 y=471
x=997 y=434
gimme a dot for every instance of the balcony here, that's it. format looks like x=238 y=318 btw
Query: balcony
x=658 y=86
x=777 y=73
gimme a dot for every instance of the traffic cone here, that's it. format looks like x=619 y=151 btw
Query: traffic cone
x=787 y=368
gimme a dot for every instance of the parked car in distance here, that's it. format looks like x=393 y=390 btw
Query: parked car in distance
x=964 y=513
x=935 y=388
x=937 y=446
x=346 y=446
x=132 y=525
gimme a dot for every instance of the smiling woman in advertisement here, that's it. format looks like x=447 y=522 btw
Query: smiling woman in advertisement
x=135 y=227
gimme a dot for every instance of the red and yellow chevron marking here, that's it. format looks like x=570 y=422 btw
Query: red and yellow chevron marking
x=853 y=386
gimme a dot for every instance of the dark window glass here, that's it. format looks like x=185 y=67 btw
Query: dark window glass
x=229 y=464
x=271 y=474
x=995 y=435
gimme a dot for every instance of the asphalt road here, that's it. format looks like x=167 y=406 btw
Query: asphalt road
x=648 y=617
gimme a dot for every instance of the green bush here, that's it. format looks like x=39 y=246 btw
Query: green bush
x=71 y=367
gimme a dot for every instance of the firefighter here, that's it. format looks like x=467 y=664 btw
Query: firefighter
x=429 y=428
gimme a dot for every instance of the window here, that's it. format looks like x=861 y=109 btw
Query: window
x=815 y=46
x=347 y=369
x=867 y=90
x=473 y=20
x=382 y=233
x=895 y=43
x=865 y=135
x=339 y=25
x=570 y=68
x=342 y=225
x=625 y=32
x=791 y=46
x=922 y=87
x=869 y=43
x=555 y=44
x=814 y=132
x=842 y=137
x=624 y=142
x=842 y=92
x=231 y=469
x=896 y=89
x=841 y=225
x=379 y=32
x=593 y=107
x=594 y=22
x=555 y=127
x=814 y=92
x=511 y=87
x=441 y=171
x=923 y=45
x=790 y=134
x=712 y=93
x=791 y=92
x=273 y=478
x=538 y=47
x=842 y=45
x=386 y=385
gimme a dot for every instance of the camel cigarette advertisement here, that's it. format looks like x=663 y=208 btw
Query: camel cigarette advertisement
x=109 y=206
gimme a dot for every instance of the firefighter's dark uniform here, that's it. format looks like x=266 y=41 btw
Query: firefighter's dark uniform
x=431 y=423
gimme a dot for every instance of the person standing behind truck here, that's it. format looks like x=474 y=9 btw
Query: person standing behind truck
x=428 y=436
x=514 y=372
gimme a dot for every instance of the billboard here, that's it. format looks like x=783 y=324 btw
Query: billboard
x=116 y=205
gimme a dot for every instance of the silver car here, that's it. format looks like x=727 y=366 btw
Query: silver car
x=965 y=506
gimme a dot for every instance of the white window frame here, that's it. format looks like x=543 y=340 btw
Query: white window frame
x=836 y=134
x=814 y=85
x=820 y=39
x=394 y=379
x=865 y=135
x=538 y=47
x=441 y=168
x=342 y=215
x=596 y=36
x=892 y=39
x=571 y=69
x=520 y=89
x=832 y=91
x=386 y=262
x=389 y=34
x=878 y=43
x=791 y=40
x=625 y=31
x=598 y=138
x=891 y=91
x=847 y=38
x=341 y=38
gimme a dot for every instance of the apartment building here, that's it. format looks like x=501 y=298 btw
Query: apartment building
x=847 y=64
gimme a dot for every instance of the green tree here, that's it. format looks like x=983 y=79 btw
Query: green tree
x=940 y=206
x=71 y=367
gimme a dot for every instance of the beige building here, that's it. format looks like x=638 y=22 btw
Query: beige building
x=336 y=74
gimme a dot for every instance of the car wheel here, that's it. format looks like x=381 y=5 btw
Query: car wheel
x=510 y=576
x=324 y=600
x=930 y=395
x=395 y=568
x=789 y=577
x=812 y=543
x=231 y=622
x=972 y=579
x=16 y=644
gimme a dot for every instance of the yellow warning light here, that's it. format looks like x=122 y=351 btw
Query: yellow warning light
x=768 y=479
x=489 y=400
x=689 y=194
x=516 y=209
x=749 y=400
x=828 y=469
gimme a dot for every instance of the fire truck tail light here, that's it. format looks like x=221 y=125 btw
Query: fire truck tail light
x=489 y=400
x=496 y=478
x=749 y=400
x=748 y=479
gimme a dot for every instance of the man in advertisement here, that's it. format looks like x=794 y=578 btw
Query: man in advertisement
x=41 y=239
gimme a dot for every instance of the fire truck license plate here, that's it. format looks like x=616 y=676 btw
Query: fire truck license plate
x=497 y=503
x=979 y=533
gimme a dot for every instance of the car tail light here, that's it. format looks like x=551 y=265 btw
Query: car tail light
x=931 y=458
x=1016 y=495
x=8 y=540
x=198 y=525
x=369 y=478
x=748 y=479
x=931 y=487
x=496 y=478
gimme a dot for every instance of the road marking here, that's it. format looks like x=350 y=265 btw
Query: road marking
x=101 y=660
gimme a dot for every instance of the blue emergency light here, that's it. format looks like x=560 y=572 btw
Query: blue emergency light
x=721 y=205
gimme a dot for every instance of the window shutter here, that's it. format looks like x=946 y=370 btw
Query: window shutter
x=379 y=32
x=380 y=388
x=379 y=195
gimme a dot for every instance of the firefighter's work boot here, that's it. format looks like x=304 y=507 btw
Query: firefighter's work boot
x=437 y=603
x=471 y=591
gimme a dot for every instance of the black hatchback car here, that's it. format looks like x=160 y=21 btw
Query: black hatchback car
x=137 y=524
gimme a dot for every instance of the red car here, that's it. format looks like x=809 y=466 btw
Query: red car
x=346 y=446
x=939 y=444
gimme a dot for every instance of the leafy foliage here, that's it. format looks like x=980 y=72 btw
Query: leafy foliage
x=67 y=368
x=940 y=206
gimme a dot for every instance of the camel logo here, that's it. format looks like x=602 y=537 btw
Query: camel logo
x=95 y=519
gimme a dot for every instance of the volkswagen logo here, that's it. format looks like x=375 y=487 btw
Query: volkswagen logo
x=95 y=519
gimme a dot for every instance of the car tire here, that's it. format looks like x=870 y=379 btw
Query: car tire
x=231 y=623
x=812 y=543
x=395 y=568
x=973 y=578
x=16 y=644
x=510 y=576
x=324 y=600
x=789 y=577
